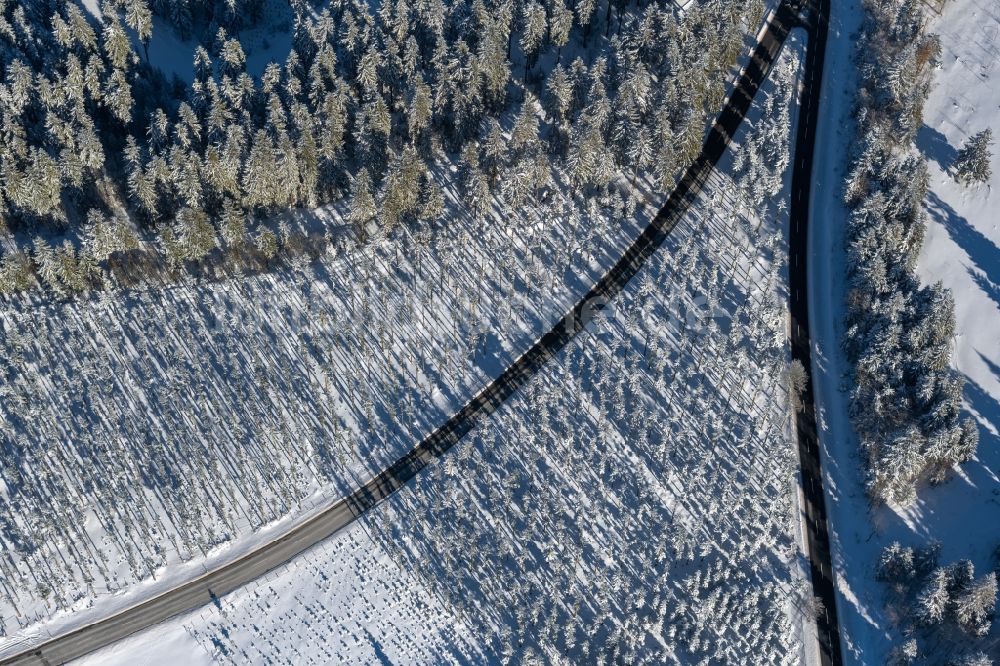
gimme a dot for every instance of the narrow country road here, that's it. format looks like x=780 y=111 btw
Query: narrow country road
x=814 y=497
x=229 y=577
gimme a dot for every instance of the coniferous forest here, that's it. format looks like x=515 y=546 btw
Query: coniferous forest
x=252 y=251
x=489 y=161
x=111 y=169
x=907 y=398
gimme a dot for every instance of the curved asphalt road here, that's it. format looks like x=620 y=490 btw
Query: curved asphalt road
x=229 y=577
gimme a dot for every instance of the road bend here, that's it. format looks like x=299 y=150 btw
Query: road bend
x=233 y=575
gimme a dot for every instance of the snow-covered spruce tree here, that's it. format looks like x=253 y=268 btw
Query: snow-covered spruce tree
x=945 y=610
x=975 y=606
x=430 y=76
x=972 y=164
x=16 y=272
x=362 y=206
x=906 y=398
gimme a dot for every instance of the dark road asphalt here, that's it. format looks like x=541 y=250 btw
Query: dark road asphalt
x=231 y=576
x=814 y=504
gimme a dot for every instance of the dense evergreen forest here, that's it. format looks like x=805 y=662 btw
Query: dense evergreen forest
x=907 y=398
x=107 y=163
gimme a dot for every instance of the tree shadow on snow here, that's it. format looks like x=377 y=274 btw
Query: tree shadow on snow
x=380 y=654
x=985 y=409
x=989 y=287
x=934 y=145
x=986 y=404
x=981 y=250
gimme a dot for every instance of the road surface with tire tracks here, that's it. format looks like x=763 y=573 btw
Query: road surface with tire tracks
x=233 y=575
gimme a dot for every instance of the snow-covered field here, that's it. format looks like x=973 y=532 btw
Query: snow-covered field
x=961 y=249
x=346 y=602
x=634 y=504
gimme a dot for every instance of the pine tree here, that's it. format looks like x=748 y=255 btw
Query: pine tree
x=104 y=237
x=561 y=23
x=75 y=273
x=476 y=189
x=494 y=157
x=47 y=265
x=974 y=608
x=362 y=209
x=158 y=132
x=233 y=57
x=307 y=156
x=140 y=19
x=89 y=150
x=142 y=190
x=234 y=224
x=559 y=93
x=584 y=16
x=896 y=564
x=267 y=244
x=195 y=234
x=524 y=135
x=259 y=174
x=118 y=96
x=431 y=200
x=83 y=34
x=934 y=599
x=972 y=164
x=399 y=195
x=15 y=272
x=368 y=72
x=288 y=179
x=418 y=116
x=532 y=33
x=115 y=40
x=41 y=188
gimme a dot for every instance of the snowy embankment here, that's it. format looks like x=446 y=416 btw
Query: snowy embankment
x=964 y=513
x=634 y=503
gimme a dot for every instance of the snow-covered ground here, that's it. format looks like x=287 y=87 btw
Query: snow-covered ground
x=267 y=42
x=962 y=249
x=346 y=602
x=635 y=503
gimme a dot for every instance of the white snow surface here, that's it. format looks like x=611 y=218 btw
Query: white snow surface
x=345 y=602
